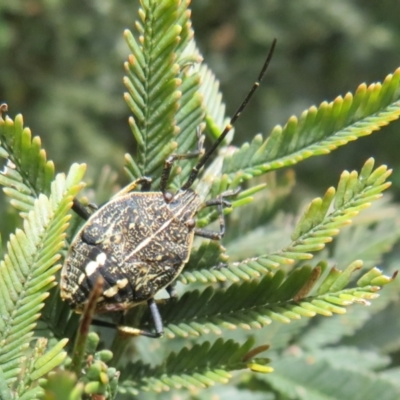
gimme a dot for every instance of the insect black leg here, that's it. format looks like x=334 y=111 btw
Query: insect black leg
x=83 y=211
x=80 y=209
x=104 y=324
x=146 y=184
x=212 y=234
x=158 y=324
x=221 y=203
x=171 y=290
x=175 y=157
x=155 y=313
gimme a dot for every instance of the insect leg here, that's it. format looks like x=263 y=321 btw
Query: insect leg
x=212 y=234
x=83 y=211
x=145 y=181
x=171 y=290
x=104 y=324
x=155 y=313
x=221 y=203
x=175 y=157
x=158 y=324
x=80 y=209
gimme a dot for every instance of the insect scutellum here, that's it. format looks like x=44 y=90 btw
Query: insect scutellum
x=139 y=242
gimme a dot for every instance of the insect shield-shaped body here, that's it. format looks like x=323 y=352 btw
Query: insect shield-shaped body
x=138 y=243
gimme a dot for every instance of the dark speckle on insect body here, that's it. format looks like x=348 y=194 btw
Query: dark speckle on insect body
x=137 y=242
x=140 y=241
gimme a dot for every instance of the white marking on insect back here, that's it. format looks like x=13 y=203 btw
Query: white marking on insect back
x=101 y=258
x=121 y=283
x=91 y=267
x=112 y=291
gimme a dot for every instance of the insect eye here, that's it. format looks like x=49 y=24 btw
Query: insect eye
x=190 y=223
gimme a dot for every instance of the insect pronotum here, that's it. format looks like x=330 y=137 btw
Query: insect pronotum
x=139 y=242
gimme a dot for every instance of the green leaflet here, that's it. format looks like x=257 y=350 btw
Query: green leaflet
x=162 y=89
x=320 y=130
x=297 y=376
x=199 y=367
x=23 y=264
x=255 y=304
x=316 y=227
x=27 y=172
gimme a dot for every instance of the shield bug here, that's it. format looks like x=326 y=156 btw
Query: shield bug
x=139 y=242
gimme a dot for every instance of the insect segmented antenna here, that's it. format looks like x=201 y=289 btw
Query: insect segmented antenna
x=229 y=126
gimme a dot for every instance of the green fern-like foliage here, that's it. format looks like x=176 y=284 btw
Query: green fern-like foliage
x=162 y=90
x=212 y=364
x=296 y=285
x=29 y=266
x=319 y=130
x=27 y=173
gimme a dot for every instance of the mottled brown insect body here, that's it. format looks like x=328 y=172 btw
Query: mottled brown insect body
x=137 y=242
x=140 y=241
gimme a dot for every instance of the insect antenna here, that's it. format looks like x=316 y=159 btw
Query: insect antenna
x=229 y=126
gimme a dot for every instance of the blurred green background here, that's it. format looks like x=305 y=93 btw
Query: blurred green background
x=61 y=67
